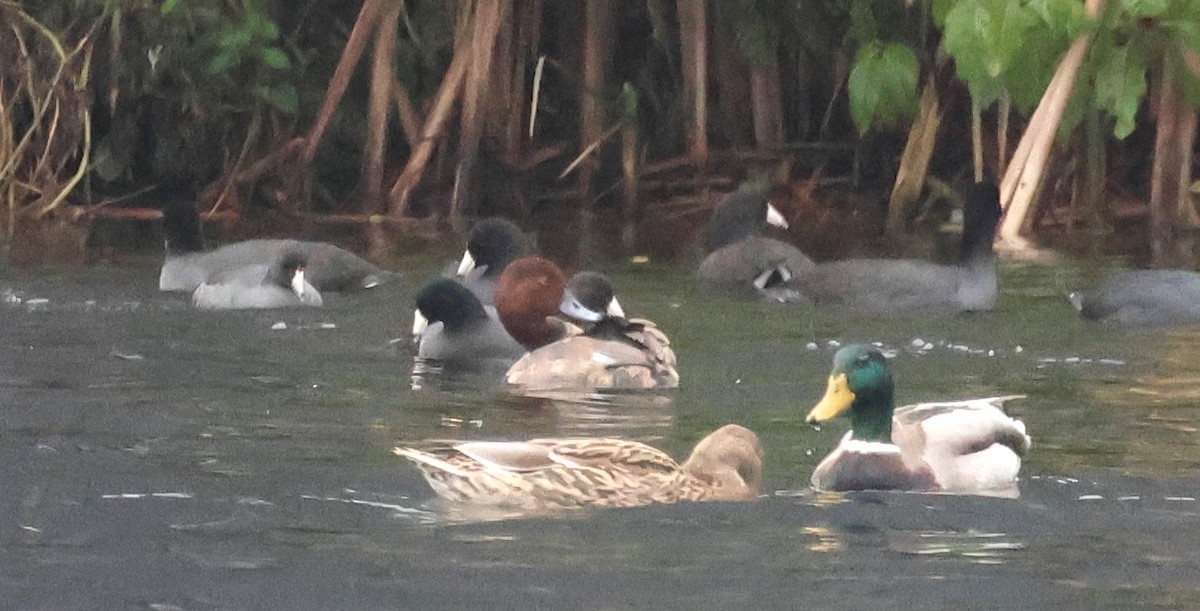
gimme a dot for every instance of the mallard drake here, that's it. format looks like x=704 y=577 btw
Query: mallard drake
x=451 y=325
x=547 y=474
x=1143 y=297
x=611 y=353
x=492 y=244
x=281 y=284
x=907 y=285
x=738 y=258
x=966 y=446
x=188 y=265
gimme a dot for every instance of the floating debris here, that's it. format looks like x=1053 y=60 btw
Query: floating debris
x=279 y=326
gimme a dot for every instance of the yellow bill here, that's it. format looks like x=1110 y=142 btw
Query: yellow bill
x=838 y=398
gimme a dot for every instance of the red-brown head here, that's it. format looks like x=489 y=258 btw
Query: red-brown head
x=528 y=294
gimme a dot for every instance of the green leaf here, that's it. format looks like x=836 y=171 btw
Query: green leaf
x=168 y=6
x=222 y=62
x=234 y=40
x=986 y=37
x=1120 y=85
x=940 y=9
x=265 y=28
x=274 y=57
x=1065 y=18
x=1029 y=71
x=282 y=96
x=863 y=26
x=1146 y=8
x=883 y=85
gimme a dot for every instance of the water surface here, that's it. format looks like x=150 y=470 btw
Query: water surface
x=155 y=456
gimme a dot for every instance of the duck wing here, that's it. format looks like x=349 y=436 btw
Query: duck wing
x=969 y=445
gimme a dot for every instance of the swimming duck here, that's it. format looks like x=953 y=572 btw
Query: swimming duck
x=492 y=244
x=966 y=446
x=188 y=265
x=451 y=325
x=739 y=258
x=612 y=353
x=550 y=474
x=906 y=285
x=281 y=284
x=591 y=297
x=1155 y=297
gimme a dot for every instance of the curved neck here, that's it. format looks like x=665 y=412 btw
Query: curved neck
x=531 y=331
x=871 y=415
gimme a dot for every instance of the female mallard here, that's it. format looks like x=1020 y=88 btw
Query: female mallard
x=547 y=474
x=966 y=446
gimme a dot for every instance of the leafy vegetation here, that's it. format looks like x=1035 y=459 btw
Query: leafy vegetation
x=270 y=103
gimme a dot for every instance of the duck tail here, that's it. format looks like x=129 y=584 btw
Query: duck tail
x=425 y=459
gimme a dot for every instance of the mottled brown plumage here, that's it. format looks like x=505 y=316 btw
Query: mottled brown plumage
x=638 y=356
x=547 y=474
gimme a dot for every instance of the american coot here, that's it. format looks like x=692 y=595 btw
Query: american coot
x=550 y=474
x=739 y=258
x=188 y=265
x=966 y=446
x=491 y=245
x=906 y=285
x=1152 y=297
x=281 y=284
x=451 y=325
x=611 y=353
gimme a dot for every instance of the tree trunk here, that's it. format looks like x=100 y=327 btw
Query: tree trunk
x=600 y=28
x=378 y=107
x=477 y=100
x=1023 y=178
x=341 y=76
x=400 y=195
x=1173 y=220
x=914 y=162
x=768 y=106
x=693 y=36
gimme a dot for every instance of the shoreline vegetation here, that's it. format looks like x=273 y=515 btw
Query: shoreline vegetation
x=386 y=126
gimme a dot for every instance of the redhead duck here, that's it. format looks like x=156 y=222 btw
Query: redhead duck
x=452 y=325
x=281 y=284
x=492 y=244
x=188 y=265
x=905 y=285
x=613 y=353
x=1149 y=297
x=968 y=446
x=554 y=474
x=739 y=258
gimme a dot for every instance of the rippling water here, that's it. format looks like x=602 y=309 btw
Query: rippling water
x=157 y=456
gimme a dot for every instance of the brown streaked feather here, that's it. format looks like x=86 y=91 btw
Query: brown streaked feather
x=640 y=359
x=565 y=473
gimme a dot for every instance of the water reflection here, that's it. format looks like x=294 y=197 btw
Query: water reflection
x=976 y=547
x=165 y=457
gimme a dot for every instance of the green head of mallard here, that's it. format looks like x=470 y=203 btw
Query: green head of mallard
x=860 y=382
